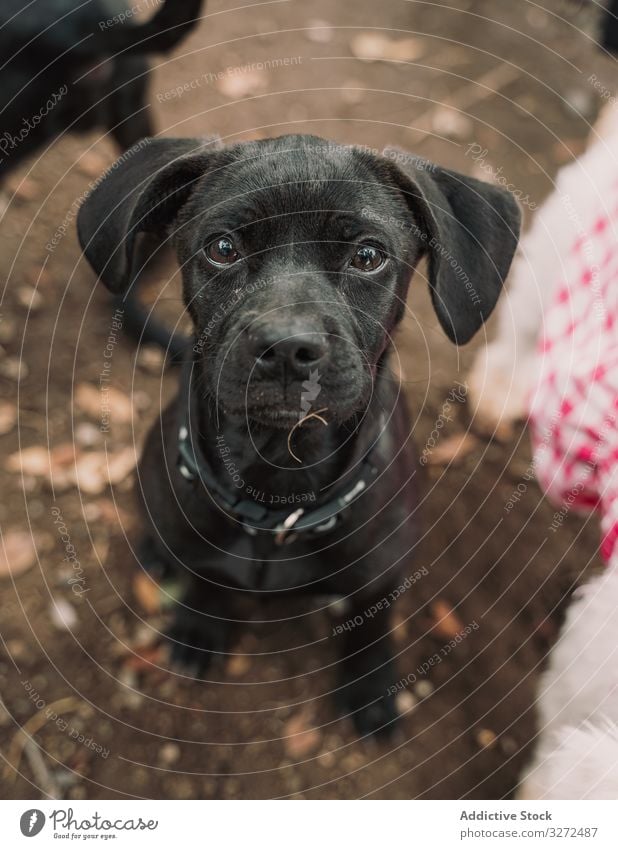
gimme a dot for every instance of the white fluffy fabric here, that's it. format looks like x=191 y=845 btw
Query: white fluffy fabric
x=577 y=752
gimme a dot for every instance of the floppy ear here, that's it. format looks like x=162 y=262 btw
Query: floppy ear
x=142 y=192
x=469 y=231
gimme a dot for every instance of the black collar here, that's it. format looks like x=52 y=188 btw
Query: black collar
x=254 y=517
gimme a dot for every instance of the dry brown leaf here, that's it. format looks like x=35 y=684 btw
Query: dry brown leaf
x=39 y=277
x=241 y=84
x=142 y=660
x=374 y=46
x=237 y=665
x=95 y=470
x=23 y=188
x=63 y=615
x=91 y=471
x=151 y=359
x=451 y=123
x=28 y=298
x=320 y=32
x=452 y=450
x=30 y=461
x=147 y=593
x=14 y=368
x=300 y=737
x=93 y=402
x=17 y=553
x=446 y=622
x=8 y=417
x=92 y=164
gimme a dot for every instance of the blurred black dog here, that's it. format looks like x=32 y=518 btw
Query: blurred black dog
x=71 y=67
x=285 y=465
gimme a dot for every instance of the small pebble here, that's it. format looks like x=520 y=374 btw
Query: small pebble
x=151 y=358
x=320 y=32
x=405 y=702
x=63 y=615
x=169 y=754
x=423 y=689
x=29 y=299
x=87 y=435
x=486 y=738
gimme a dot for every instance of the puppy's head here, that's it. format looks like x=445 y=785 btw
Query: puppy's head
x=296 y=256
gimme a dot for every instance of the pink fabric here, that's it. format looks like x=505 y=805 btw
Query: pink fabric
x=574 y=408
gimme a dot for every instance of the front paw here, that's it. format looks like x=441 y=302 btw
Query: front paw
x=370 y=702
x=195 y=642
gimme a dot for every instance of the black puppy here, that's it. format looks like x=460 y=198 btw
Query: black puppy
x=296 y=256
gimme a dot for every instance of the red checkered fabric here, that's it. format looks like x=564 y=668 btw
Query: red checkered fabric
x=574 y=407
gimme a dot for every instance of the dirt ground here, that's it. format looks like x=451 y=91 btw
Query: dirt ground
x=84 y=658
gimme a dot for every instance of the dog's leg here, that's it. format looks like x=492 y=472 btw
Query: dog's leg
x=368 y=668
x=200 y=629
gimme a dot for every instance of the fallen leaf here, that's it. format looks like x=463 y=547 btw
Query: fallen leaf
x=28 y=298
x=446 y=622
x=142 y=660
x=87 y=435
x=300 y=737
x=109 y=402
x=94 y=471
x=169 y=754
x=23 y=188
x=406 y=49
x=17 y=553
x=423 y=689
x=370 y=46
x=237 y=665
x=92 y=164
x=14 y=368
x=373 y=46
x=320 y=32
x=8 y=417
x=352 y=92
x=63 y=614
x=151 y=359
x=241 y=84
x=30 y=461
x=147 y=593
x=39 y=277
x=405 y=702
x=8 y=328
x=453 y=450
x=66 y=466
x=451 y=123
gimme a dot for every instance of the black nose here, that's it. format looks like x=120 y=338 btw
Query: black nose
x=275 y=351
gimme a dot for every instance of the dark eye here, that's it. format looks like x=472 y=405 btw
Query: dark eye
x=221 y=251
x=368 y=258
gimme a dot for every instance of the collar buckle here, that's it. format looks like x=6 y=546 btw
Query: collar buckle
x=284 y=532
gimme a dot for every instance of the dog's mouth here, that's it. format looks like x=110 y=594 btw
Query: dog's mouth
x=279 y=417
